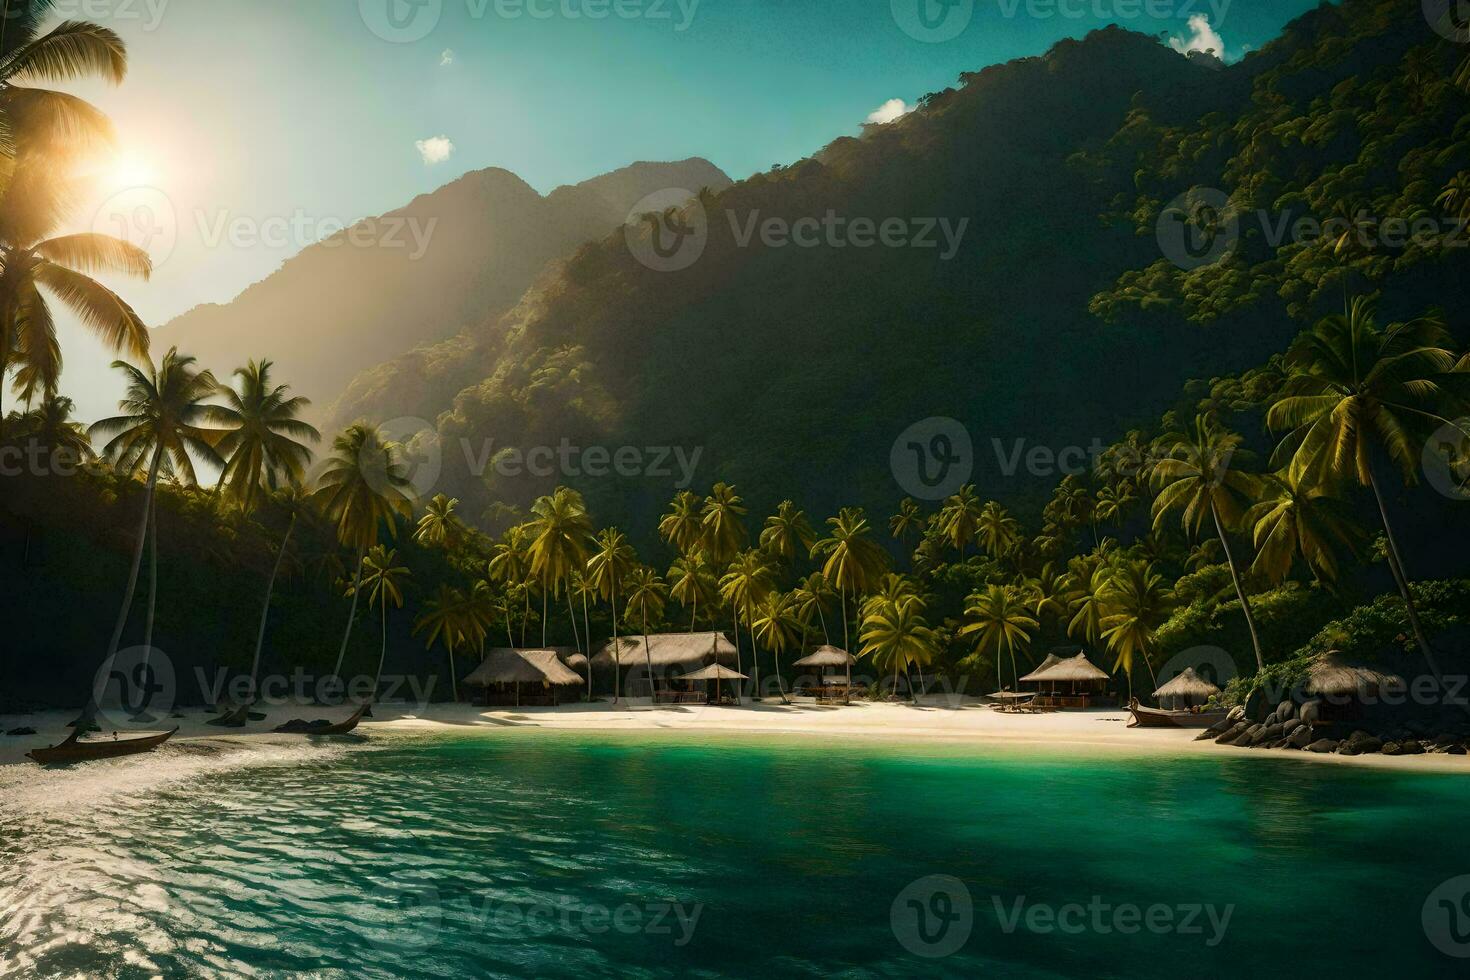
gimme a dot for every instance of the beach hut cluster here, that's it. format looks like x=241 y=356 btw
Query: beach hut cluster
x=1069 y=682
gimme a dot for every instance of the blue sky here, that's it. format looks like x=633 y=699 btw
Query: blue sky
x=299 y=111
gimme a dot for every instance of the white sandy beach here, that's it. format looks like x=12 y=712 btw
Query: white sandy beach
x=935 y=721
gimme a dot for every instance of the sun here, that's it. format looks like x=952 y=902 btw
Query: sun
x=128 y=169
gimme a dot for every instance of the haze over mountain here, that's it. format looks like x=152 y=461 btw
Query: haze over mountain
x=456 y=257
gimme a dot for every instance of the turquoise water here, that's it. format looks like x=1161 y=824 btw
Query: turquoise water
x=521 y=853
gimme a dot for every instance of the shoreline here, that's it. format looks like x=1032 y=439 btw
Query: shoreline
x=936 y=721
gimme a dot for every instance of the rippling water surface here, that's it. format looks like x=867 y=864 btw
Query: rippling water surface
x=525 y=854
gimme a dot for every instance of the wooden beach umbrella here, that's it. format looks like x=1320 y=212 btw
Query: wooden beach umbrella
x=716 y=673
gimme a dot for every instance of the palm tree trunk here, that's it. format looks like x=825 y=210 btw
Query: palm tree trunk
x=526 y=615
x=755 y=654
x=587 y=629
x=572 y=615
x=1245 y=603
x=383 y=655
x=694 y=615
x=648 y=659
x=617 y=647
x=90 y=710
x=1396 y=564
x=351 y=615
x=780 y=684
x=265 y=611
x=142 y=713
x=543 y=619
x=454 y=680
x=847 y=693
x=739 y=664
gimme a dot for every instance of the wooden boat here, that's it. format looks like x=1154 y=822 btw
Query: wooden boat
x=1163 y=718
x=73 y=750
x=341 y=728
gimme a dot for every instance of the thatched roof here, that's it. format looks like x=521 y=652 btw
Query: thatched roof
x=575 y=661
x=1332 y=675
x=504 y=665
x=1077 y=668
x=1187 y=685
x=1051 y=661
x=689 y=651
x=715 y=672
x=826 y=656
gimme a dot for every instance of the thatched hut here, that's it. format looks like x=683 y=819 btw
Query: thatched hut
x=1073 y=682
x=1344 y=688
x=831 y=667
x=673 y=655
x=713 y=676
x=523 y=677
x=1185 y=691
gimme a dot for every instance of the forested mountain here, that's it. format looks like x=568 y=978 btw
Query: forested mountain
x=459 y=256
x=1058 y=319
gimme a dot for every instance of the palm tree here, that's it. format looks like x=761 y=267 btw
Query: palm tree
x=894 y=631
x=439 y=526
x=787 y=533
x=41 y=119
x=295 y=500
x=384 y=582
x=585 y=591
x=33 y=265
x=692 y=580
x=646 y=595
x=1197 y=480
x=999 y=614
x=776 y=627
x=362 y=487
x=443 y=619
x=1299 y=520
x=609 y=566
x=1138 y=603
x=1088 y=604
x=722 y=525
x=261 y=445
x=908 y=522
x=559 y=532
x=1354 y=393
x=997 y=531
x=163 y=412
x=51 y=426
x=744 y=587
x=681 y=526
x=812 y=596
x=959 y=517
x=510 y=566
x=853 y=562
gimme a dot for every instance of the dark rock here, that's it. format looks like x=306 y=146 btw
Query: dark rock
x=1237 y=732
x=1392 y=748
x=1311 y=712
x=1348 y=748
x=1411 y=747
x=1455 y=749
x=1256 y=708
x=1285 y=710
x=1268 y=733
x=1237 y=713
x=1323 y=745
x=1300 y=738
x=23 y=730
x=1363 y=744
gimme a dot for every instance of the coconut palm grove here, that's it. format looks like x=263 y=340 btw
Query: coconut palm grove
x=998 y=540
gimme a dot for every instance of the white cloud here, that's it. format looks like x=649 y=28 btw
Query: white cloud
x=446 y=58
x=1202 y=37
x=889 y=111
x=435 y=149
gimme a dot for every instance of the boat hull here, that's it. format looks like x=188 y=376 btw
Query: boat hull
x=1160 y=718
x=77 y=751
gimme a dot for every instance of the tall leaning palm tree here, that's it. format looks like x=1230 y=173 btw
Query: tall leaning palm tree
x=263 y=447
x=1138 y=603
x=646 y=595
x=297 y=503
x=609 y=566
x=443 y=618
x=1199 y=481
x=1354 y=401
x=853 y=562
x=384 y=579
x=363 y=487
x=162 y=423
